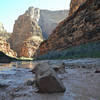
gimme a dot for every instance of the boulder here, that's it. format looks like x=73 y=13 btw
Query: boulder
x=97 y=71
x=47 y=80
x=59 y=68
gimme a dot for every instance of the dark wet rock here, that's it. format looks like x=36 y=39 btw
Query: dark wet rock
x=4 y=58
x=47 y=80
x=3 y=85
x=30 y=82
x=59 y=68
x=97 y=71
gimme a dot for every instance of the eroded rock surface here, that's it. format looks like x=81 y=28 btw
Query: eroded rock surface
x=47 y=80
x=26 y=26
x=5 y=47
x=74 y=5
x=29 y=47
x=81 y=27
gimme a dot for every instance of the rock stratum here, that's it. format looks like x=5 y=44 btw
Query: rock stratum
x=27 y=34
x=50 y=19
x=74 y=5
x=5 y=47
x=80 y=27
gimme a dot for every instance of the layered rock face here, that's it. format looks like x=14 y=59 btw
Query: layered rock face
x=50 y=19
x=25 y=27
x=29 y=47
x=81 y=27
x=5 y=47
x=74 y=5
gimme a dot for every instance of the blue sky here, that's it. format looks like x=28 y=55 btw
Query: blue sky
x=11 y=9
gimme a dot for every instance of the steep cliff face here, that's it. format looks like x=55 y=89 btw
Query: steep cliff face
x=25 y=27
x=29 y=47
x=5 y=47
x=81 y=27
x=50 y=19
x=74 y=5
x=3 y=32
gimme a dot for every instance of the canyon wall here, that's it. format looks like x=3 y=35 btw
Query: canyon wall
x=3 y=32
x=25 y=32
x=50 y=19
x=74 y=5
x=5 y=47
x=82 y=26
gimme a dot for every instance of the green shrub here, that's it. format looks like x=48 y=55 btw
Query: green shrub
x=90 y=50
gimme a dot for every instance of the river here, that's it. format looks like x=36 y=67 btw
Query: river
x=80 y=80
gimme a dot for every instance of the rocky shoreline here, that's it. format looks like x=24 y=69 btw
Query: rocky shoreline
x=80 y=78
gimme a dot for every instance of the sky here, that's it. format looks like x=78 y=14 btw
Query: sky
x=11 y=9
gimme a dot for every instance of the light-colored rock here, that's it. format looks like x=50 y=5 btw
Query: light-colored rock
x=47 y=80
x=25 y=30
x=2 y=30
x=50 y=19
x=34 y=13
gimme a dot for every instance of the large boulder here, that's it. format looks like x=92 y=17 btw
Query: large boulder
x=81 y=27
x=26 y=31
x=47 y=80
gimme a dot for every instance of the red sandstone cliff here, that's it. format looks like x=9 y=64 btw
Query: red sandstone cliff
x=82 y=26
x=5 y=47
x=74 y=5
x=26 y=26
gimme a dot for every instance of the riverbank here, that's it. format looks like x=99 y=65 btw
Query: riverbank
x=80 y=79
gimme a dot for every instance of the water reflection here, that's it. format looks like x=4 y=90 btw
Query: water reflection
x=5 y=67
x=22 y=64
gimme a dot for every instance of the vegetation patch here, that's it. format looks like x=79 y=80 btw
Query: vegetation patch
x=89 y=50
